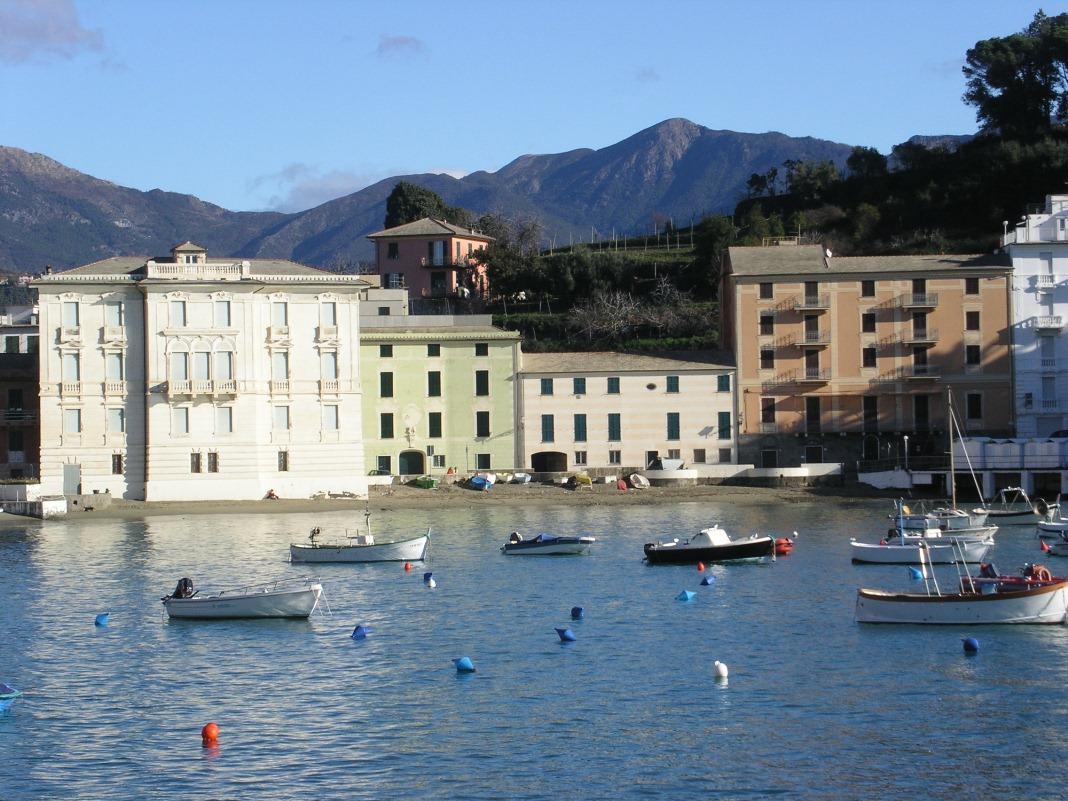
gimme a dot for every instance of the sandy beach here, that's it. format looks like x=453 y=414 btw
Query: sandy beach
x=456 y=496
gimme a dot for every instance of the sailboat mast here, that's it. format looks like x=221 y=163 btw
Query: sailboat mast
x=952 y=438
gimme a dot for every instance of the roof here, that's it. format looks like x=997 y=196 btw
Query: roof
x=611 y=362
x=806 y=260
x=428 y=227
x=136 y=268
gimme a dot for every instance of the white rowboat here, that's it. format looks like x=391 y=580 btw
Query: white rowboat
x=294 y=598
x=1047 y=604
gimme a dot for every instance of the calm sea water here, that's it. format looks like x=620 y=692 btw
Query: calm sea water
x=815 y=707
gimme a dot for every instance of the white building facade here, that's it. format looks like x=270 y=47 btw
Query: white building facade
x=185 y=378
x=1038 y=246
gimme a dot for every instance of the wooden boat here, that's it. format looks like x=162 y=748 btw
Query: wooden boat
x=1044 y=604
x=712 y=545
x=989 y=577
x=361 y=547
x=546 y=544
x=291 y=598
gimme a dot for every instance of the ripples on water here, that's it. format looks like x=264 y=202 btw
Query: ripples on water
x=816 y=706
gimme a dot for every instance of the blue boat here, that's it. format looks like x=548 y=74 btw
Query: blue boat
x=7 y=696
x=478 y=483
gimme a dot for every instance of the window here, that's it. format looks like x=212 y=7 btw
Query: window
x=224 y=420
x=283 y=461
x=222 y=314
x=281 y=418
x=438 y=460
x=767 y=324
x=113 y=315
x=328 y=314
x=482 y=382
x=971 y=321
x=330 y=417
x=280 y=314
x=613 y=385
x=767 y=359
x=116 y=464
x=195 y=465
x=767 y=410
x=673 y=426
x=394 y=281
x=580 y=428
x=482 y=461
x=113 y=366
x=384 y=465
x=869 y=355
x=724 y=455
x=813 y=415
x=767 y=291
x=201 y=366
x=280 y=365
x=615 y=428
x=116 y=421
x=383 y=311
x=867 y=323
x=33 y=344
x=385 y=351
x=867 y=289
x=971 y=285
x=72 y=369
x=580 y=458
x=482 y=349
x=548 y=428
x=177 y=308
x=723 y=383
x=579 y=386
x=672 y=383
x=180 y=420
x=385 y=425
x=433 y=420
x=213 y=461
x=482 y=424
x=973 y=354
x=546 y=386
x=724 y=427
x=11 y=344
x=871 y=412
x=179 y=368
x=328 y=365
x=433 y=384
x=433 y=350
x=615 y=457
x=393 y=250
x=72 y=421
x=974 y=406
x=385 y=385
x=699 y=455
x=70 y=314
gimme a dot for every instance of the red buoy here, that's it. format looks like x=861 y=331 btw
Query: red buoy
x=210 y=733
x=700 y=567
x=1044 y=546
x=408 y=566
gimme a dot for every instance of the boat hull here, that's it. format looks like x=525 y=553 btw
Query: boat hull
x=298 y=602
x=752 y=550
x=915 y=554
x=561 y=546
x=413 y=550
x=1041 y=605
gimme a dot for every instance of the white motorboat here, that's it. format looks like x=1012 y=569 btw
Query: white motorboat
x=287 y=598
x=909 y=549
x=1041 y=604
x=360 y=547
x=1012 y=506
x=546 y=544
x=714 y=545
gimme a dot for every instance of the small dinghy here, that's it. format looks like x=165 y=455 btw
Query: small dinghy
x=546 y=544
x=290 y=598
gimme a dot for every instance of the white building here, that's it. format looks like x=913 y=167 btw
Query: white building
x=1038 y=246
x=185 y=378
x=620 y=411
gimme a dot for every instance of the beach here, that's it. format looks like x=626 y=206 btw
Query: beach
x=456 y=496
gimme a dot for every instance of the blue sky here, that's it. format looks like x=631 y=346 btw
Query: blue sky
x=284 y=104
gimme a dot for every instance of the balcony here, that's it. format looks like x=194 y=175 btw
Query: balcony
x=918 y=300
x=1049 y=322
x=329 y=387
x=70 y=389
x=813 y=375
x=328 y=333
x=20 y=416
x=202 y=386
x=113 y=334
x=922 y=371
x=813 y=303
x=114 y=388
x=444 y=263
x=1048 y=365
x=280 y=387
x=920 y=336
x=811 y=339
x=277 y=332
x=70 y=334
x=1045 y=283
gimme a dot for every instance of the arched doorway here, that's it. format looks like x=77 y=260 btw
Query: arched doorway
x=548 y=462
x=411 y=463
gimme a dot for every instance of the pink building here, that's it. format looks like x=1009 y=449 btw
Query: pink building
x=431 y=258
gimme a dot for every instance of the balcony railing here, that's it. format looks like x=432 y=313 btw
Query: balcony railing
x=920 y=336
x=1045 y=283
x=72 y=388
x=811 y=339
x=812 y=302
x=813 y=374
x=280 y=387
x=114 y=387
x=329 y=387
x=202 y=386
x=919 y=300
x=1049 y=322
x=20 y=416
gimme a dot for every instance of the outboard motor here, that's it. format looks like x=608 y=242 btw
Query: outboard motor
x=184 y=588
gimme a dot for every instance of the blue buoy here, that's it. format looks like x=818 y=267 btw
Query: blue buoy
x=102 y=618
x=576 y=613
x=427 y=577
x=971 y=645
x=566 y=635
x=360 y=632
x=915 y=573
x=463 y=665
x=685 y=595
x=707 y=581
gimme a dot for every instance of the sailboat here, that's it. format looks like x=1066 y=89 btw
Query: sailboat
x=962 y=523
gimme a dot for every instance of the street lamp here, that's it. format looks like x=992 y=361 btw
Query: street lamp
x=906 y=453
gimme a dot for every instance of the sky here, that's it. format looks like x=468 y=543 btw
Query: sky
x=284 y=104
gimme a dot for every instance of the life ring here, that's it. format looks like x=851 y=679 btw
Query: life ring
x=1041 y=573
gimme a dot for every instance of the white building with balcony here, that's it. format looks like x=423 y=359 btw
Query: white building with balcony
x=1038 y=246
x=186 y=378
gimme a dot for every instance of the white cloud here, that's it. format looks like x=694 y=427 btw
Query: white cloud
x=38 y=29
x=399 y=45
x=648 y=75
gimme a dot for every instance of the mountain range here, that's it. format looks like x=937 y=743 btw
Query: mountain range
x=53 y=215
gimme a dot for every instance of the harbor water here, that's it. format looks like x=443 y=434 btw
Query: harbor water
x=815 y=706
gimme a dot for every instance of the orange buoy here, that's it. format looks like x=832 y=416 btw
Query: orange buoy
x=210 y=733
x=700 y=567
x=408 y=566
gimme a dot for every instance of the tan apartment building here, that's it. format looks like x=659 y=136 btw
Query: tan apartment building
x=847 y=358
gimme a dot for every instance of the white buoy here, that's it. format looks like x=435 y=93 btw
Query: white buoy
x=431 y=583
x=721 y=670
